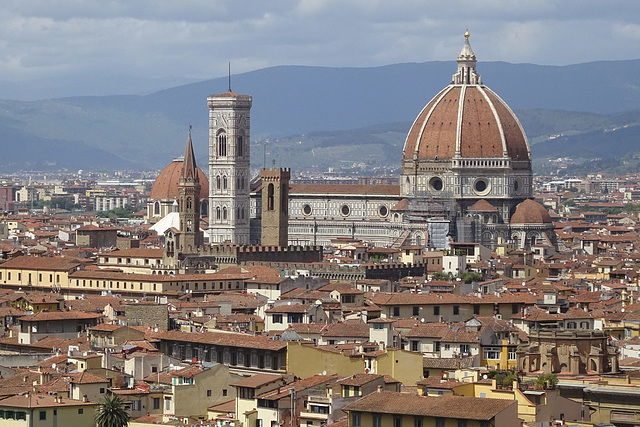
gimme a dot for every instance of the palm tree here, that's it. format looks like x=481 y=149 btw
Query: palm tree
x=112 y=413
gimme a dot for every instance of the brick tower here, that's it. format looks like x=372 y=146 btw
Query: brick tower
x=189 y=203
x=275 y=206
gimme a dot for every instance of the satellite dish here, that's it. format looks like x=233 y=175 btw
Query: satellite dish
x=622 y=310
x=324 y=372
x=484 y=377
x=422 y=320
x=53 y=366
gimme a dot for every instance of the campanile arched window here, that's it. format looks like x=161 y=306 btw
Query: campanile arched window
x=221 y=141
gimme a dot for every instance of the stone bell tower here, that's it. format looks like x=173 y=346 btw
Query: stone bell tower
x=275 y=206
x=229 y=167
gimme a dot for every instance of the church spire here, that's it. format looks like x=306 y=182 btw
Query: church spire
x=189 y=169
x=466 y=65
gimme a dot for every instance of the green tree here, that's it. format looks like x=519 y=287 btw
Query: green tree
x=112 y=413
x=547 y=381
x=441 y=276
x=469 y=277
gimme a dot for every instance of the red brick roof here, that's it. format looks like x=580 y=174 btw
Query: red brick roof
x=382 y=190
x=224 y=338
x=41 y=263
x=59 y=315
x=471 y=408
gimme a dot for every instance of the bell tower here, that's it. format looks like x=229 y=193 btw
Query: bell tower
x=189 y=202
x=229 y=167
x=275 y=206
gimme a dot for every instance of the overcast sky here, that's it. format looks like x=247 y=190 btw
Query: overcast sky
x=43 y=39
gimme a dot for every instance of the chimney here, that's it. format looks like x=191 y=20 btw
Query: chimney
x=379 y=389
x=85 y=398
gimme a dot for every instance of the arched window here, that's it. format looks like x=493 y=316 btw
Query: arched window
x=270 y=197
x=222 y=144
x=189 y=204
x=239 y=147
x=218 y=182
x=224 y=182
x=218 y=212
x=156 y=208
x=224 y=213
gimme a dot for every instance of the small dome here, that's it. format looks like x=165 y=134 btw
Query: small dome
x=166 y=184
x=483 y=206
x=531 y=212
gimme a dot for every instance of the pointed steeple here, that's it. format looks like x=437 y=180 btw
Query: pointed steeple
x=189 y=168
x=466 y=65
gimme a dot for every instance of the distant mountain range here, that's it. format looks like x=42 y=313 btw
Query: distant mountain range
x=318 y=116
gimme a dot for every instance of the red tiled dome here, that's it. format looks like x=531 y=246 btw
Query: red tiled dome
x=483 y=206
x=166 y=184
x=466 y=120
x=482 y=125
x=530 y=212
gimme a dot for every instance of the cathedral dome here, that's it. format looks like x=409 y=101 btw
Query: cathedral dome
x=166 y=184
x=466 y=120
x=531 y=212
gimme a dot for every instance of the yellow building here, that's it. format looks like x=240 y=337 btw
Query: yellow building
x=534 y=405
x=33 y=273
x=44 y=410
x=305 y=360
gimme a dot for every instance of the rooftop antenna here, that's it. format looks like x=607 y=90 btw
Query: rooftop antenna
x=229 y=76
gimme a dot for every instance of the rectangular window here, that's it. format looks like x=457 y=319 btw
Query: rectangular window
x=396 y=311
x=397 y=421
x=355 y=419
x=277 y=318
x=462 y=423
x=377 y=420
x=476 y=309
x=156 y=403
x=136 y=405
x=167 y=404
x=436 y=346
x=43 y=415
x=80 y=411
x=439 y=422
x=512 y=354
x=417 y=422
x=415 y=345
x=436 y=310
x=515 y=308
x=416 y=310
x=208 y=393
x=491 y=353
x=456 y=310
